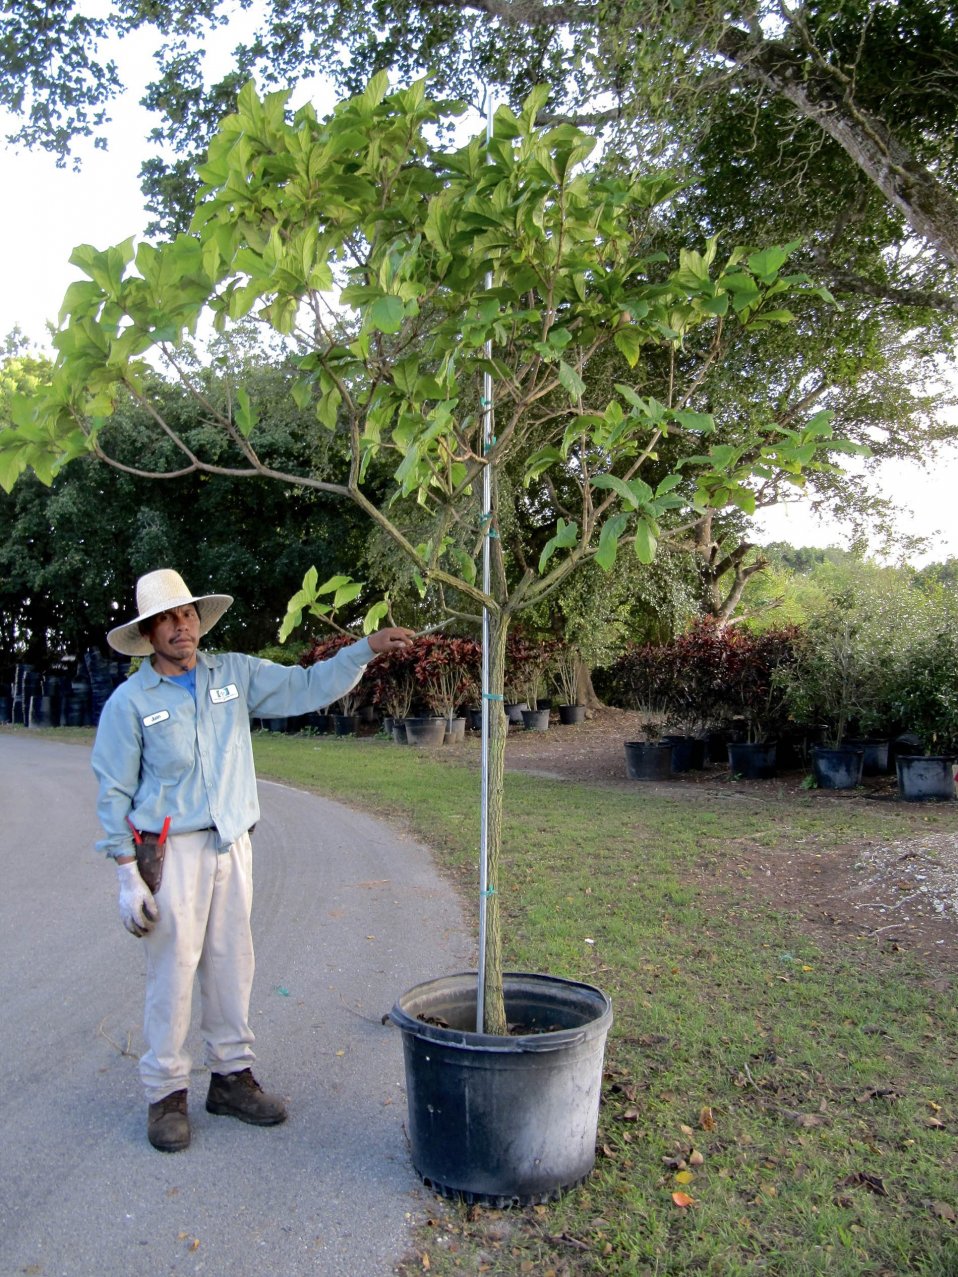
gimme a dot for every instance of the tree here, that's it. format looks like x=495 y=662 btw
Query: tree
x=483 y=280
x=876 y=79
x=70 y=552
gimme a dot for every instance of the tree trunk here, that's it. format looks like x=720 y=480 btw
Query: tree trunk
x=821 y=96
x=587 y=693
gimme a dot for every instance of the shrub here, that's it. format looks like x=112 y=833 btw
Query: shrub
x=447 y=672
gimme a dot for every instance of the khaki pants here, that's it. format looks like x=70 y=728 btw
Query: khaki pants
x=204 y=902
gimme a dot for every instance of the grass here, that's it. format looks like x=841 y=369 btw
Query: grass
x=814 y=1086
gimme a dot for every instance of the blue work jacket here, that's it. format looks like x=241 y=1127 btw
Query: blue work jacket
x=158 y=753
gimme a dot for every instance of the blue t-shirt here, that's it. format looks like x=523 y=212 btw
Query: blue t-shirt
x=187 y=680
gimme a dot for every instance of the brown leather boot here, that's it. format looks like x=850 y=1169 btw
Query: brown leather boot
x=168 y=1124
x=240 y=1095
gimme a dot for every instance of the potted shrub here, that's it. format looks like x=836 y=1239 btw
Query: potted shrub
x=393 y=680
x=440 y=259
x=928 y=704
x=753 y=694
x=446 y=670
x=641 y=672
x=566 y=664
x=529 y=659
x=831 y=683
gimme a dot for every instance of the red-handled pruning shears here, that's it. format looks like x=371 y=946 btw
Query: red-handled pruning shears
x=138 y=837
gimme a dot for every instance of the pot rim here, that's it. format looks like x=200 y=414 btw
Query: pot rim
x=464 y=983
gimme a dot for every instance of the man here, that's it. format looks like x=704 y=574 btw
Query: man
x=174 y=759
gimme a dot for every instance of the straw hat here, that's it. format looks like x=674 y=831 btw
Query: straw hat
x=160 y=592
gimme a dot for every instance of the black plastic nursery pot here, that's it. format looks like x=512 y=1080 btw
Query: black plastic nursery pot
x=535 y=720
x=455 y=730
x=925 y=778
x=839 y=768
x=569 y=715
x=503 y=1120
x=688 y=752
x=875 y=761
x=755 y=760
x=425 y=731
x=648 y=760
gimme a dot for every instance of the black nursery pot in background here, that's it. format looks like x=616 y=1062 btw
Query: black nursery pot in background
x=755 y=760
x=648 y=760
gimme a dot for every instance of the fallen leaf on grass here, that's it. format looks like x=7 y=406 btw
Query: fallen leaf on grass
x=877 y=1093
x=935 y=1123
x=807 y=1119
x=862 y=1179
x=707 y=1119
x=684 y=1177
x=683 y=1200
x=944 y=1211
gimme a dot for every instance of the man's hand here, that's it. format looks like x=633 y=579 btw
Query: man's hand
x=137 y=906
x=390 y=639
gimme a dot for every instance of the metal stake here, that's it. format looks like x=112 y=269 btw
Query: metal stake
x=487 y=427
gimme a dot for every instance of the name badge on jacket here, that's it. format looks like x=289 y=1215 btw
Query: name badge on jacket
x=220 y=694
x=159 y=717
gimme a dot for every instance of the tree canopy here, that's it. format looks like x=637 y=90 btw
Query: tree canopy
x=873 y=82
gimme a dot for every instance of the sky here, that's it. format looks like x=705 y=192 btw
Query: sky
x=47 y=211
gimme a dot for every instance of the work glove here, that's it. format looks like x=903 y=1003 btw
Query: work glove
x=137 y=906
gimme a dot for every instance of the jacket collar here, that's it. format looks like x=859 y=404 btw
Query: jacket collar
x=150 y=678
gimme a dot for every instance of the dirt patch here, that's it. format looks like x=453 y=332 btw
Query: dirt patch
x=898 y=893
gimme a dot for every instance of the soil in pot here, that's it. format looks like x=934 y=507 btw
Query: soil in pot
x=503 y=1120
x=925 y=778
x=648 y=760
x=839 y=768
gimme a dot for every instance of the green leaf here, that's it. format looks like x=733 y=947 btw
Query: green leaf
x=615 y=484
x=347 y=593
x=375 y=614
x=571 y=380
x=244 y=413
x=564 y=539
x=700 y=422
x=646 y=541
x=302 y=393
x=770 y=261
x=540 y=462
x=629 y=342
x=386 y=314
x=609 y=538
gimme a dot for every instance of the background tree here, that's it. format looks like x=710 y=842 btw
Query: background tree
x=873 y=82
x=70 y=553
